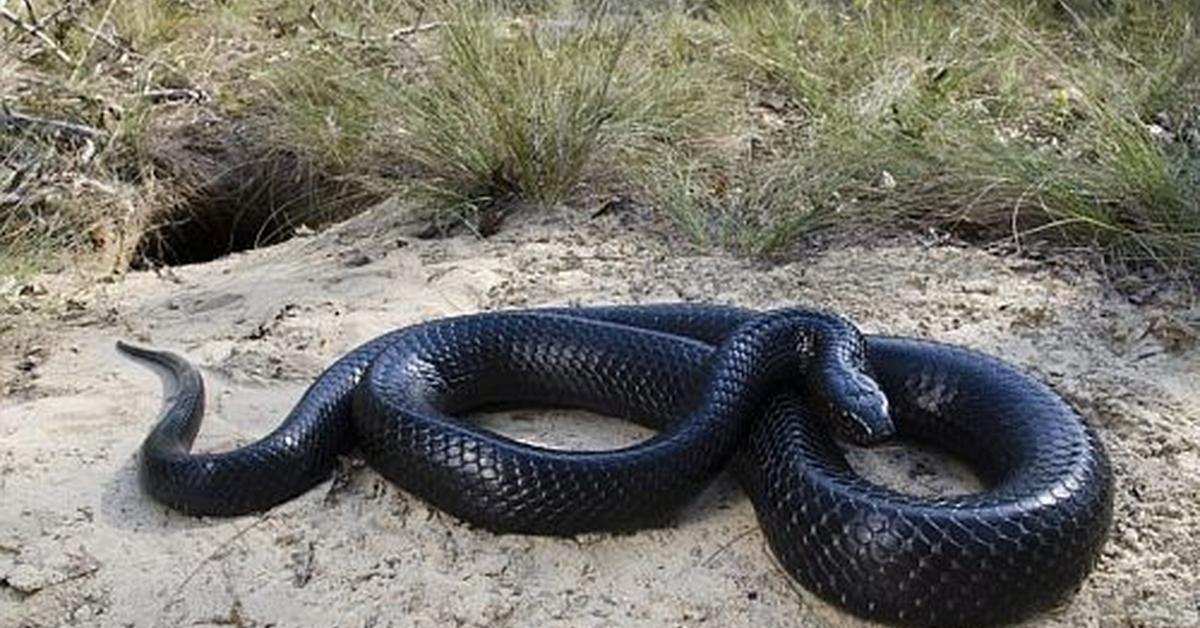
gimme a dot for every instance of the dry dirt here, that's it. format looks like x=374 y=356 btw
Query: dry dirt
x=81 y=546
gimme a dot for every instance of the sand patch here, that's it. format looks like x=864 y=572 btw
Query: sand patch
x=80 y=545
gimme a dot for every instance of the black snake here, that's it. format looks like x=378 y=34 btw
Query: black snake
x=765 y=393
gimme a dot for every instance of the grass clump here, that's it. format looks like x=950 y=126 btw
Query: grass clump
x=748 y=123
x=257 y=110
x=1010 y=117
x=528 y=109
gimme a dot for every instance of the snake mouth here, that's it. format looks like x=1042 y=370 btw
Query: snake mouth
x=869 y=429
x=872 y=427
x=858 y=409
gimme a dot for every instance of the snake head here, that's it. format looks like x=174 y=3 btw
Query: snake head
x=838 y=379
x=856 y=408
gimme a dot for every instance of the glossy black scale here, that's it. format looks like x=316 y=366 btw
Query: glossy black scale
x=763 y=392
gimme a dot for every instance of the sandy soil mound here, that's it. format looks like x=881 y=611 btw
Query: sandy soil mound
x=80 y=546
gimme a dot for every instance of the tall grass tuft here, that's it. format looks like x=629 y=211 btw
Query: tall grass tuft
x=529 y=108
x=747 y=122
x=1012 y=116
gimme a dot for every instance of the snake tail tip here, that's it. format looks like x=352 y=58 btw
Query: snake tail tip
x=130 y=349
x=138 y=352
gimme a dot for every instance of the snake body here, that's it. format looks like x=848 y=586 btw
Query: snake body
x=767 y=394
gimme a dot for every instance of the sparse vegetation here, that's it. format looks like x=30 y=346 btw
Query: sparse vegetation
x=1002 y=116
x=528 y=110
x=747 y=123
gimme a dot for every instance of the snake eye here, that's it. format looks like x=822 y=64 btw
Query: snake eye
x=862 y=410
x=872 y=424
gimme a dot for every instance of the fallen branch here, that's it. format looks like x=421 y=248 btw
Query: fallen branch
x=35 y=31
x=10 y=119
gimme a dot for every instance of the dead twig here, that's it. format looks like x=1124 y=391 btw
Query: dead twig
x=399 y=33
x=414 y=29
x=111 y=41
x=119 y=45
x=33 y=30
x=728 y=544
x=175 y=95
x=10 y=119
x=213 y=555
x=92 y=42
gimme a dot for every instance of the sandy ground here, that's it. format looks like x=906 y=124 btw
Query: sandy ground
x=80 y=546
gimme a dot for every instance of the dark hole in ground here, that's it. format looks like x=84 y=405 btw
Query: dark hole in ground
x=238 y=193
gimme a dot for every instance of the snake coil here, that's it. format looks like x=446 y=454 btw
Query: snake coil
x=765 y=393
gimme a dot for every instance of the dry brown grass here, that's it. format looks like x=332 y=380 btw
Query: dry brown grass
x=747 y=123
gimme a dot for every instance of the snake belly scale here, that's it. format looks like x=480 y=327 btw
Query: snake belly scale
x=766 y=394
